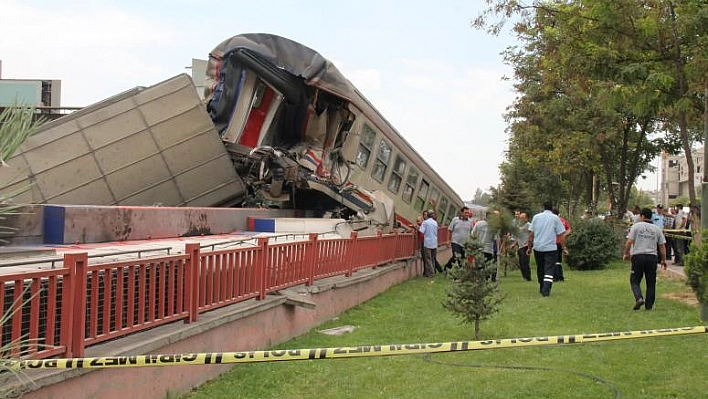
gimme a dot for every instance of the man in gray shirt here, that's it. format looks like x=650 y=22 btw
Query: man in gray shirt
x=641 y=247
x=460 y=227
x=483 y=233
x=522 y=243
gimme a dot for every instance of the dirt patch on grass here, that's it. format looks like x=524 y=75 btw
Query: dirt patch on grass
x=686 y=296
x=682 y=296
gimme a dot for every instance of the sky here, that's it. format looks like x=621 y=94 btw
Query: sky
x=439 y=81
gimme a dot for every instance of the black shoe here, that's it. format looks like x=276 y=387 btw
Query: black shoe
x=638 y=304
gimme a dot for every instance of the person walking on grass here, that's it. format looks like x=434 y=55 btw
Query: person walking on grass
x=558 y=276
x=545 y=228
x=643 y=242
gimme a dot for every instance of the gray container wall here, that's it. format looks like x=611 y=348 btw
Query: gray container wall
x=147 y=146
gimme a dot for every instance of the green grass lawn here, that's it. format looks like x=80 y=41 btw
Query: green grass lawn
x=588 y=302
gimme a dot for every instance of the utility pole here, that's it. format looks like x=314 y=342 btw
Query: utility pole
x=704 y=185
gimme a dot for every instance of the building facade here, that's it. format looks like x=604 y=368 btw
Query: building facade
x=675 y=177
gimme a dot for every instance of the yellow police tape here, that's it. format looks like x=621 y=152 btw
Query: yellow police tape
x=278 y=355
x=680 y=234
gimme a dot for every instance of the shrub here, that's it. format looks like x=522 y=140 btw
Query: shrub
x=592 y=244
x=696 y=269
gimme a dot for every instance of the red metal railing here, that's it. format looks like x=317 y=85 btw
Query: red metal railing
x=59 y=312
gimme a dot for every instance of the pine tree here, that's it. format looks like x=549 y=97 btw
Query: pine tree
x=474 y=296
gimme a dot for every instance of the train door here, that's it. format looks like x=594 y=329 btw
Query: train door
x=253 y=112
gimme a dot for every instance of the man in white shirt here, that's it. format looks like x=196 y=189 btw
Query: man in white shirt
x=429 y=228
x=545 y=229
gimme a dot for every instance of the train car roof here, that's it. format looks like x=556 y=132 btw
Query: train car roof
x=317 y=71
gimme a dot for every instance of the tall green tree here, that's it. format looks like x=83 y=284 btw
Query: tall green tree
x=601 y=85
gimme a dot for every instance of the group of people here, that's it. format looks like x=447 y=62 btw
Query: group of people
x=544 y=236
x=521 y=244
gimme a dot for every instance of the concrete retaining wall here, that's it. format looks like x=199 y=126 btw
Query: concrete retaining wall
x=71 y=224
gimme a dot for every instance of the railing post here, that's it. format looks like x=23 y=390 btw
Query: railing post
x=192 y=284
x=380 y=249
x=262 y=267
x=77 y=264
x=396 y=245
x=312 y=258
x=351 y=253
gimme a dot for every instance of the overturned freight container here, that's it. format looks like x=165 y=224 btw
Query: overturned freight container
x=146 y=146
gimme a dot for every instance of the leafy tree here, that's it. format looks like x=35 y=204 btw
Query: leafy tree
x=603 y=86
x=641 y=198
x=481 y=197
x=474 y=296
x=501 y=225
x=16 y=124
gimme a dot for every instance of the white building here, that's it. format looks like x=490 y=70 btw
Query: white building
x=675 y=176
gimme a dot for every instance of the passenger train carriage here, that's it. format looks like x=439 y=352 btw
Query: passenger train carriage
x=302 y=136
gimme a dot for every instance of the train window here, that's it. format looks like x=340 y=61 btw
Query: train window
x=382 y=159
x=452 y=212
x=422 y=194
x=409 y=187
x=442 y=209
x=433 y=199
x=399 y=168
x=258 y=96
x=366 y=143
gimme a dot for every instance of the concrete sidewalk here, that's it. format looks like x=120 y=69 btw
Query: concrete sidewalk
x=675 y=270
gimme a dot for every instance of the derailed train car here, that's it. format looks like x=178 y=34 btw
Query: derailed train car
x=302 y=136
x=281 y=128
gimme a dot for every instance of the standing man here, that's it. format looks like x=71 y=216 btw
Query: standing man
x=635 y=214
x=641 y=247
x=522 y=243
x=482 y=232
x=668 y=225
x=429 y=228
x=558 y=276
x=657 y=218
x=545 y=228
x=678 y=243
x=460 y=229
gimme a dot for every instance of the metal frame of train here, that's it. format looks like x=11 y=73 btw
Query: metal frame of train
x=301 y=135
